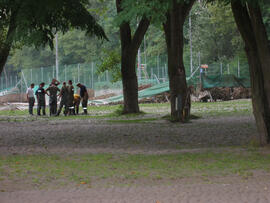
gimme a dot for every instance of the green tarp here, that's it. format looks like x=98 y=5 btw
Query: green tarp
x=224 y=81
x=207 y=82
x=151 y=91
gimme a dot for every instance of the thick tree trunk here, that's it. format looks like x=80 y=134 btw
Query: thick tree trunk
x=252 y=34
x=6 y=44
x=4 y=52
x=130 y=84
x=129 y=49
x=180 y=101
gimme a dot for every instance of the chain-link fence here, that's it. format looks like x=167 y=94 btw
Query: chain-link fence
x=87 y=74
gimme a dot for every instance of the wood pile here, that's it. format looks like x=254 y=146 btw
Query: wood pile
x=105 y=96
x=241 y=93
x=223 y=94
x=142 y=87
x=226 y=93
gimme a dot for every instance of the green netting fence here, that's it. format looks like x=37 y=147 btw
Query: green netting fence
x=217 y=74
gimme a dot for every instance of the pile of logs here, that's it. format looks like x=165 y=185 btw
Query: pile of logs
x=224 y=94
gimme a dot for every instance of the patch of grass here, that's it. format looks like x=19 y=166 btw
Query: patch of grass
x=210 y=109
x=226 y=108
x=82 y=169
x=14 y=112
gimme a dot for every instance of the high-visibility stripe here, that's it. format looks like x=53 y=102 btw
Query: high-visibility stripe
x=85 y=108
x=71 y=107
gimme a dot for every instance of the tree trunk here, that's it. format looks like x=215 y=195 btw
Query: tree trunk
x=129 y=50
x=130 y=83
x=173 y=28
x=4 y=52
x=6 y=44
x=252 y=35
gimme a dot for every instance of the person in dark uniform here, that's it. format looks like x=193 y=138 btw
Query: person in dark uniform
x=84 y=97
x=40 y=93
x=53 y=89
x=71 y=110
x=64 y=99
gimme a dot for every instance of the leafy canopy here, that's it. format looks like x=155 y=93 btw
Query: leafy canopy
x=36 y=21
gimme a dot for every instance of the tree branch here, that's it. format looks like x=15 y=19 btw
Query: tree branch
x=125 y=30
x=187 y=7
x=140 y=32
x=243 y=22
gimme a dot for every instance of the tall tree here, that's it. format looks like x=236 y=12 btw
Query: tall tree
x=129 y=49
x=249 y=20
x=173 y=28
x=36 y=22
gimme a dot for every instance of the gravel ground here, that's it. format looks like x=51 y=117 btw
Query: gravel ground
x=96 y=136
x=154 y=137
x=231 y=190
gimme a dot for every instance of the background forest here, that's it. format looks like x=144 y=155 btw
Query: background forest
x=215 y=40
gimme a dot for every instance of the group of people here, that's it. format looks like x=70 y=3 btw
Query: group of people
x=68 y=99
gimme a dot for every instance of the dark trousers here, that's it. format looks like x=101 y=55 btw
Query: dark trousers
x=77 y=107
x=84 y=104
x=62 y=104
x=40 y=106
x=31 y=105
x=53 y=106
x=71 y=109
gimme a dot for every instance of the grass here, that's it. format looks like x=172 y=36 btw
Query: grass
x=41 y=170
x=227 y=108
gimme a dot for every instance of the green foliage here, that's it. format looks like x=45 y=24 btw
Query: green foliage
x=111 y=63
x=215 y=34
x=266 y=16
x=154 y=10
x=36 y=21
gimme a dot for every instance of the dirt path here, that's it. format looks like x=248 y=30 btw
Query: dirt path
x=155 y=137
x=101 y=136
x=256 y=190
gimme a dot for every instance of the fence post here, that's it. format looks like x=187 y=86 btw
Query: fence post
x=165 y=70
x=92 y=74
x=78 y=66
x=238 y=68
x=21 y=89
x=84 y=73
x=31 y=74
x=90 y=83
x=65 y=73
x=107 y=75
x=221 y=69
x=162 y=70
x=228 y=67
x=42 y=79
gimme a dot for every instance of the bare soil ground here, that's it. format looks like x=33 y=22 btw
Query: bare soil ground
x=255 y=190
x=102 y=136
x=152 y=137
